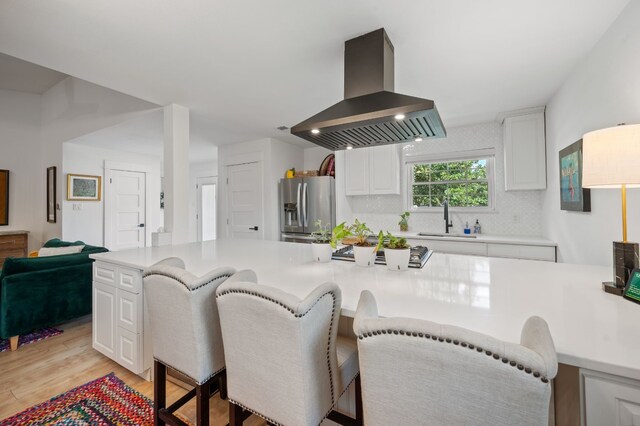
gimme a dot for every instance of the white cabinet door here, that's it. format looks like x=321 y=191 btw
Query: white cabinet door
x=525 y=152
x=610 y=400
x=128 y=353
x=356 y=171
x=384 y=170
x=104 y=314
x=519 y=251
x=129 y=311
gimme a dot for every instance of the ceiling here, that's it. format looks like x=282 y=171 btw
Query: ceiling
x=245 y=67
x=145 y=135
x=23 y=76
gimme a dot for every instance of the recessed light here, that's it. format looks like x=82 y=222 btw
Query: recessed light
x=418 y=139
x=349 y=147
x=315 y=131
x=399 y=117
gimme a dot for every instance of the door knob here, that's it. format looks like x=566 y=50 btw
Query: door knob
x=141 y=225
x=255 y=228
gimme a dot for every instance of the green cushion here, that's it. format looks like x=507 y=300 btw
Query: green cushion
x=19 y=265
x=56 y=242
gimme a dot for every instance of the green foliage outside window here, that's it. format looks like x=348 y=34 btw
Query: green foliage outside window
x=463 y=183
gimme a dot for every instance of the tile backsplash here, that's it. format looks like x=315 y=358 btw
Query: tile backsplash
x=515 y=213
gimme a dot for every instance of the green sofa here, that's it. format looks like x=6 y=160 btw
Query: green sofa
x=42 y=292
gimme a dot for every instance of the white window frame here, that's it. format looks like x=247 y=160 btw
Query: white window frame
x=486 y=154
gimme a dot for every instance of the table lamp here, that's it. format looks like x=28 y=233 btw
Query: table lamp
x=610 y=160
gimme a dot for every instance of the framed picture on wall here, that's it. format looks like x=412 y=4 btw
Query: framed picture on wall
x=4 y=197
x=572 y=195
x=51 y=195
x=84 y=187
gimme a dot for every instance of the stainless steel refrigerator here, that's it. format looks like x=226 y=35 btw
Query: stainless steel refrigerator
x=302 y=202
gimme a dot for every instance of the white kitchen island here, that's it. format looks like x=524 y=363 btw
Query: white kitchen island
x=592 y=330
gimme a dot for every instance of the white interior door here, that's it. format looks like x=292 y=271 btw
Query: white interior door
x=207 y=205
x=244 y=192
x=126 y=210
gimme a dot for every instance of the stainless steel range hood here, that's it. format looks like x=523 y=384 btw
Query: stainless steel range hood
x=371 y=113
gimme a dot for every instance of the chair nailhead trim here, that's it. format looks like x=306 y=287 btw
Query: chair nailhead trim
x=185 y=374
x=504 y=360
x=300 y=315
x=173 y=277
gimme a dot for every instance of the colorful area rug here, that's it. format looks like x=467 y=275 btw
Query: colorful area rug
x=35 y=336
x=104 y=401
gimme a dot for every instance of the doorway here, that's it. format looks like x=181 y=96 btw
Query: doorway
x=207 y=188
x=244 y=200
x=125 y=208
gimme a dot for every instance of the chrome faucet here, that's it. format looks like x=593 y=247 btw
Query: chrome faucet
x=447 y=223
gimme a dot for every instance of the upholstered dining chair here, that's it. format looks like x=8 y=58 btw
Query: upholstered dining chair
x=185 y=330
x=285 y=361
x=419 y=372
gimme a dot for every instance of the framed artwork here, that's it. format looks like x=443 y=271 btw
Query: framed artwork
x=51 y=194
x=84 y=188
x=572 y=195
x=4 y=197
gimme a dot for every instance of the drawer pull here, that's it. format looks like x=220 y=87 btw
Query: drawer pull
x=8 y=242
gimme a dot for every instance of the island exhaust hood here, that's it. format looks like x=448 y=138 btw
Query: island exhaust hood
x=371 y=113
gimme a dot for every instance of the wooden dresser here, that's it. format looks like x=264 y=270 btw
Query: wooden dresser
x=13 y=244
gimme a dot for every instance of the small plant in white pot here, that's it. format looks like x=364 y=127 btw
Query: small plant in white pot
x=321 y=246
x=396 y=253
x=364 y=251
x=404 y=221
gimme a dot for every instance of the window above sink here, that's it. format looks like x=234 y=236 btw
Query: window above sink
x=465 y=179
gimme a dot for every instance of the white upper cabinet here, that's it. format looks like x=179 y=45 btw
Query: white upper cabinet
x=356 y=171
x=525 y=164
x=374 y=171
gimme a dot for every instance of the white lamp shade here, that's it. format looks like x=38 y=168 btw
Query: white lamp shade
x=611 y=157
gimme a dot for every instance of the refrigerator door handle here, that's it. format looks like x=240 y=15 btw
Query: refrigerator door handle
x=304 y=204
x=299 y=192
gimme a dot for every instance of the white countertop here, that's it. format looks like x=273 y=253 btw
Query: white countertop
x=591 y=329
x=482 y=238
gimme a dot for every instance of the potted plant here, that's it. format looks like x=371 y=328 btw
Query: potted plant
x=321 y=246
x=396 y=253
x=363 y=250
x=338 y=233
x=404 y=221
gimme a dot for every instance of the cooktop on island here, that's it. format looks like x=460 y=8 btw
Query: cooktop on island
x=419 y=256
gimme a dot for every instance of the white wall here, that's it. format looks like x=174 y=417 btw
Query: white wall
x=197 y=170
x=73 y=108
x=516 y=212
x=276 y=157
x=20 y=154
x=314 y=156
x=603 y=90
x=88 y=224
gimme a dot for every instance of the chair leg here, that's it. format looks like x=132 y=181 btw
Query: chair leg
x=235 y=415
x=159 y=391
x=359 y=411
x=202 y=405
x=13 y=343
x=222 y=385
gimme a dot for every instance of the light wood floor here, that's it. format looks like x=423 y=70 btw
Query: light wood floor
x=39 y=371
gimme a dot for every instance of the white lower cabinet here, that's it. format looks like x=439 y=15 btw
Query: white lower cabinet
x=609 y=400
x=104 y=310
x=118 y=316
x=522 y=251
x=478 y=248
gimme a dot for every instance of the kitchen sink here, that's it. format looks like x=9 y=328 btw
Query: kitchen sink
x=443 y=235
